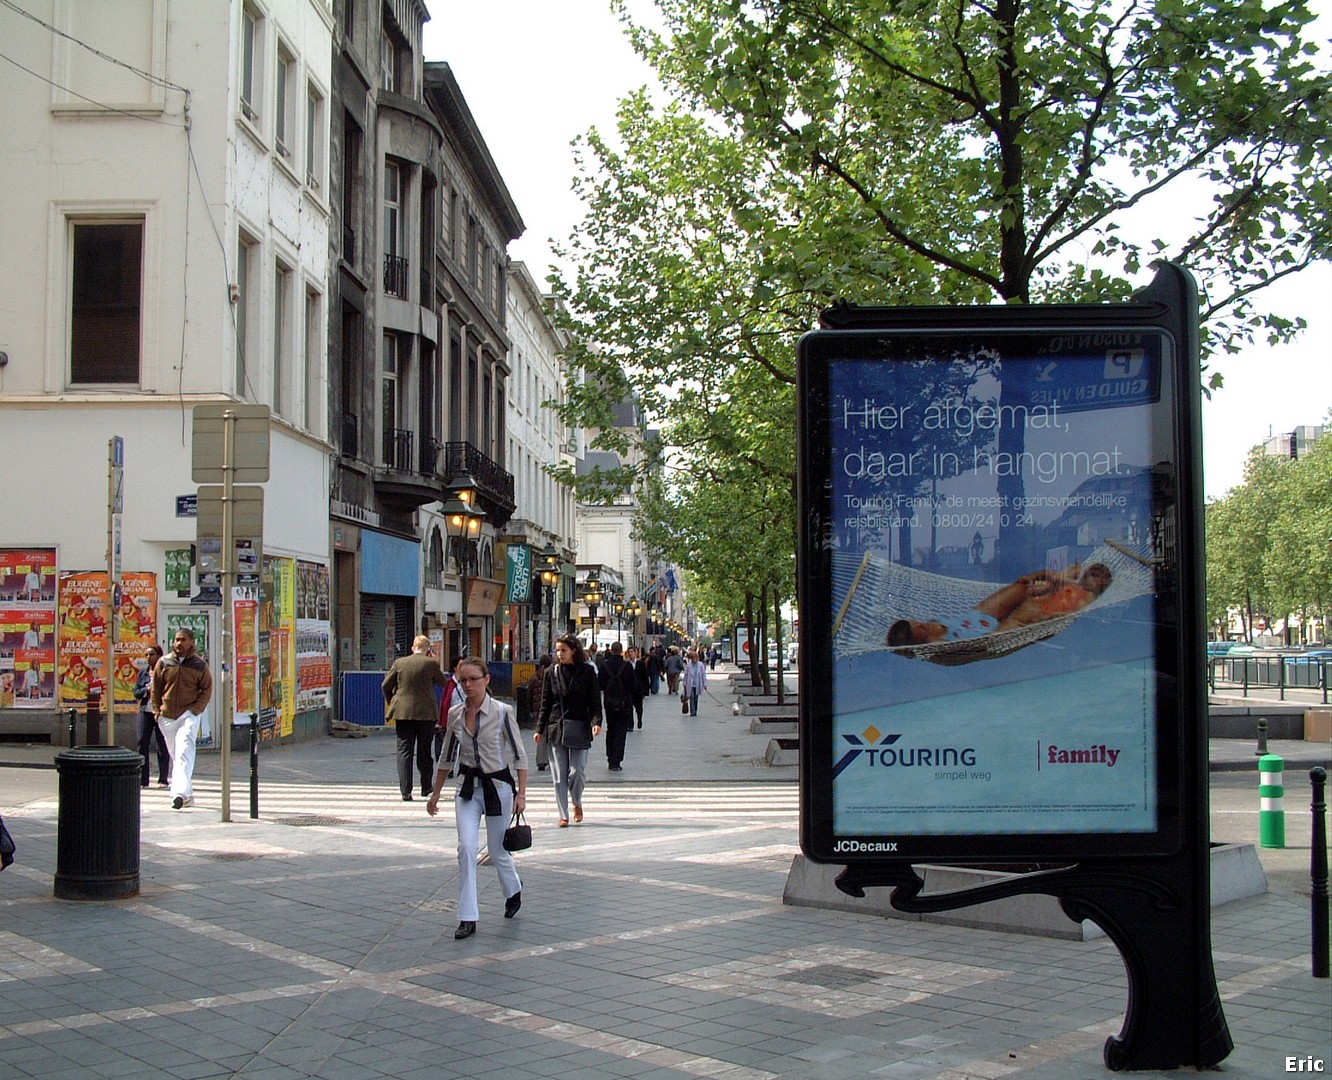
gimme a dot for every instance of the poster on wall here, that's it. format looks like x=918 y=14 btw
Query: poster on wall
x=82 y=636
x=27 y=627
x=136 y=632
x=314 y=637
x=245 y=637
x=278 y=617
x=995 y=546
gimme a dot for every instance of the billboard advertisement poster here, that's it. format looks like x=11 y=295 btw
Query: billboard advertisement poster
x=992 y=527
x=27 y=627
x=314 y=637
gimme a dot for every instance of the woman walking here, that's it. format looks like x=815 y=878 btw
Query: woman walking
x=149 y=732
x=482 y=737
x=570 y=719
x=694 y=681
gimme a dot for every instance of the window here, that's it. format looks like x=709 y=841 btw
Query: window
x=395 y=261
x=106 y=301
x=389 y=404
x=282 y=359
x=392 y=209
x=314 y=352
x=284 y=119
x=388 y=62
x=314 y=138
x=245 y=311
x=446 y=218
x=252 y=64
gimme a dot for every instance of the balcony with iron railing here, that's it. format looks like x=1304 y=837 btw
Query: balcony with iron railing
x=395 y=275
x=494 y=483
x=401 y=479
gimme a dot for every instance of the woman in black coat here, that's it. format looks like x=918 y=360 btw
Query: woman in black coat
x=570 y=719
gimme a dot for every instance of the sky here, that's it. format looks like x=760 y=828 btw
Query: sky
x=556 y=68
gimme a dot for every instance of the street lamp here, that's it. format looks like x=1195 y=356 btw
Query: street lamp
x=463 y=520
x=633 y=609
x=618 y=608
x=592 y=598
x=550 y=577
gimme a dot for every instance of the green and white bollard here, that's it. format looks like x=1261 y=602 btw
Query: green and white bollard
x=1271 y=802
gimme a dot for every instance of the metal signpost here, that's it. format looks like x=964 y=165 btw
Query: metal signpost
x=231 y=452
x=115 y=509
x=1001 y=584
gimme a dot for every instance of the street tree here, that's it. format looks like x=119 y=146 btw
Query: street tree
x=903 y=151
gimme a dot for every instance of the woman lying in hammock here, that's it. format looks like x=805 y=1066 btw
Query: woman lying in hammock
x=1032 y=598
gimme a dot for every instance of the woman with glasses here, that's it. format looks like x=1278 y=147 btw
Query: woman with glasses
x=483 y=743
x=570 y=719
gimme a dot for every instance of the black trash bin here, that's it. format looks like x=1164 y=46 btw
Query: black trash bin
x=97 y=826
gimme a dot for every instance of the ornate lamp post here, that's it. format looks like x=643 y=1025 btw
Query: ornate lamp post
x=463 y=520
x=633 y=609
x=592 y=598
x=618 y=608
x=550 y=577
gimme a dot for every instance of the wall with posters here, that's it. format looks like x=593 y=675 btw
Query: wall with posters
x=86 y=621
x=27 y=627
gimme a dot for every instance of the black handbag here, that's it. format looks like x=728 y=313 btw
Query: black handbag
x=518 y=836
x=684 y=706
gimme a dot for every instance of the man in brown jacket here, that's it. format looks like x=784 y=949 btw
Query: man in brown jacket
x=409 y=690
x=182 y=688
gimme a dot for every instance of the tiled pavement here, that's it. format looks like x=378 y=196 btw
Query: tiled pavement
x=317 y=941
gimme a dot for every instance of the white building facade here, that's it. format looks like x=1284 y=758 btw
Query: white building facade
x=165 y=177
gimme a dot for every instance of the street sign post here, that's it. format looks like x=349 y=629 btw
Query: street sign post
x=231 y=449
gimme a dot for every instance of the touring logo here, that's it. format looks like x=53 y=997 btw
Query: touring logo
x=881 y=751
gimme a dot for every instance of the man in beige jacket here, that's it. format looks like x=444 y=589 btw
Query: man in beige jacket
x=409 y=690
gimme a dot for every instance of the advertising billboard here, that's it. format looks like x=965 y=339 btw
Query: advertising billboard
x=991 y=569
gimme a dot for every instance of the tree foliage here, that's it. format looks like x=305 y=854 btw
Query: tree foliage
x=1269 y=541
x=904 y=151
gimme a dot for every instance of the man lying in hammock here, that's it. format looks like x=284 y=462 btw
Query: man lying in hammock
x=1032 y=598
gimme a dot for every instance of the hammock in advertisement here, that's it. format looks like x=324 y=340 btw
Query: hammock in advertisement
x=879 y=592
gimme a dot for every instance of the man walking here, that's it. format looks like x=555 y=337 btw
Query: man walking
x=672 y=666
x=182 y=689
x=409 y=691
x=616 y=677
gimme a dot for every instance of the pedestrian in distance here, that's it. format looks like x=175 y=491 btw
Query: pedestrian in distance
x=409 y=695
x=446 y=702
x=654 y=657
x=536 y=687
x=693 y=681
x=673 y=665
x=182 y=689
x=642 y=685
x=149 y=732
x=570 y=719
x=7 y=846
x=483 y=741
x=617 y=680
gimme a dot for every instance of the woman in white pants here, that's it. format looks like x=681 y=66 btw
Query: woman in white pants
x=482 y=737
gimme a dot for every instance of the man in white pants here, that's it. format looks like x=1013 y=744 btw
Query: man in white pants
x=182 y=688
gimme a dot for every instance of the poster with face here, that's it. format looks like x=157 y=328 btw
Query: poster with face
x=997 y=535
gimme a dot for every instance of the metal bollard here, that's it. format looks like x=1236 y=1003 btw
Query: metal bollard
x=1271 y=802
x=73 y=728
x=254 y=765
x=94 y=733
x=1318 y=873
x=1262 y=736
